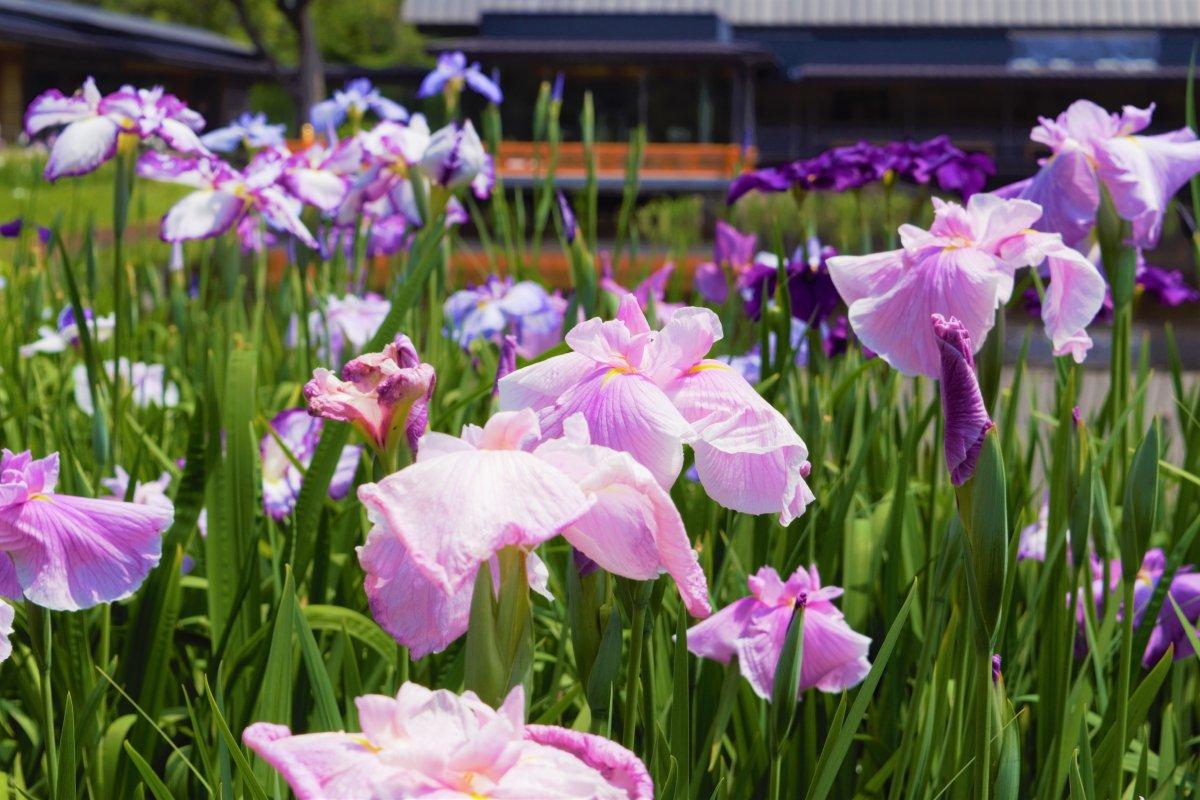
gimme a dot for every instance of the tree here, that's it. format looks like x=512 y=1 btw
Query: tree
x=306 y=83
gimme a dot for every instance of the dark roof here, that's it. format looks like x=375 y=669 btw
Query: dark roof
x=89 y=30
x=594 y=50
x=976 y=72
x=845 y=13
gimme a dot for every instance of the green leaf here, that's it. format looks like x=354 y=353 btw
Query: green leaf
x=362 y=628
x=607 y=665
x=843 y=737
x=322 y=686
x=275 y=698
x=250 y=782
x=680 y=726
x=785 y=690
x=66 y=753
x=1141 y=502
x=1139 y=707
x=983 y=506
x=153 y=782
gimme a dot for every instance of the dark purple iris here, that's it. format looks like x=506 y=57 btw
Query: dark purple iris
x=810 y=288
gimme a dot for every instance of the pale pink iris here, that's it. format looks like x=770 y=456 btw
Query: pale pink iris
x=649 y=392
x=964 y=266
x=435 y=744
x=437 y=522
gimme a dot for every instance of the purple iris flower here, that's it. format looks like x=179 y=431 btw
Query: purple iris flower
x=454 y=156
x=12 y=228
x=94 y=124
x=500 y=306
x=299 y=433
x=1167 y=630
x=967 y=420
x=854 y=166
x=68 y=553
x=345 y=322
x=321 y=176
x=1091 y=148
x=452 y=72
x=357 y=98
x=813 y=295
x=251 y=131
x=1168 y=287
x=223 y=196
x=733 y=252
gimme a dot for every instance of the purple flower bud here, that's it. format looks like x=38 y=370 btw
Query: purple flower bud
x=556 y=93
x=995 y=667
x=12 y=228
x=967 y=420
x=568 y=218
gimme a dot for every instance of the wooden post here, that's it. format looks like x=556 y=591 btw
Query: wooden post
x=12 y=92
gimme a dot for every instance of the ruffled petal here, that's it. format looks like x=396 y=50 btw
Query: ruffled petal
x=319 y=766
x=455 y=511
x=748 y=456
x=716 y=637
x=74 y=552
x=620 y=767
x=317 y=187
x=681 y=344
x=761 y=644
x=52 y=108
x=634 y=529
x=405 y=602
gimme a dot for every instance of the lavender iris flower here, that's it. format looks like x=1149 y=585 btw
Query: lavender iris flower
x=224 y=196
x=299 y=433
x=810 y=288
x=453 y=72
x=499 y=306
x=251 y=131
x=146 y=384
x=357 y=98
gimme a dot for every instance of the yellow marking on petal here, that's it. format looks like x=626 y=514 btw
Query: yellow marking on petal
x=703 y=365
x=39 y=496
x=363 y=741
x=614 y=372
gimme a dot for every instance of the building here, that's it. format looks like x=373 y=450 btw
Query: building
x=794 y=77
x=49 y=44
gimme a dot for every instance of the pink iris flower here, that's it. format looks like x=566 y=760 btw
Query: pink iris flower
x=382 y=394
x=436 y=522
x=93 y=124
x=964 y=266
x=436 y=744
x=733 y=253
x=1091 y=148
x=66 y=553
x=754 y=628
x=223 y=196
x=649 y=392
x=650 y=291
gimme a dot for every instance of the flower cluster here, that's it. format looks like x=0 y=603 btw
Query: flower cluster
x=936 y=161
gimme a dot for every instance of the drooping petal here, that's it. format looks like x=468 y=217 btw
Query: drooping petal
x=891 y=314
x=81 y=147
x=716 y=637
x=1074 y=295
x=834 y=656
x=455 y=511
x=74 y=552
x=404 y=601
x=539 y=385
x=749 y=458
x=1067 y=190
x=1143 y=173
x=634 y=529
x=319 y=766
x=484 y=85
x=619 y=766
x=201 y=215
x=760 y=645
